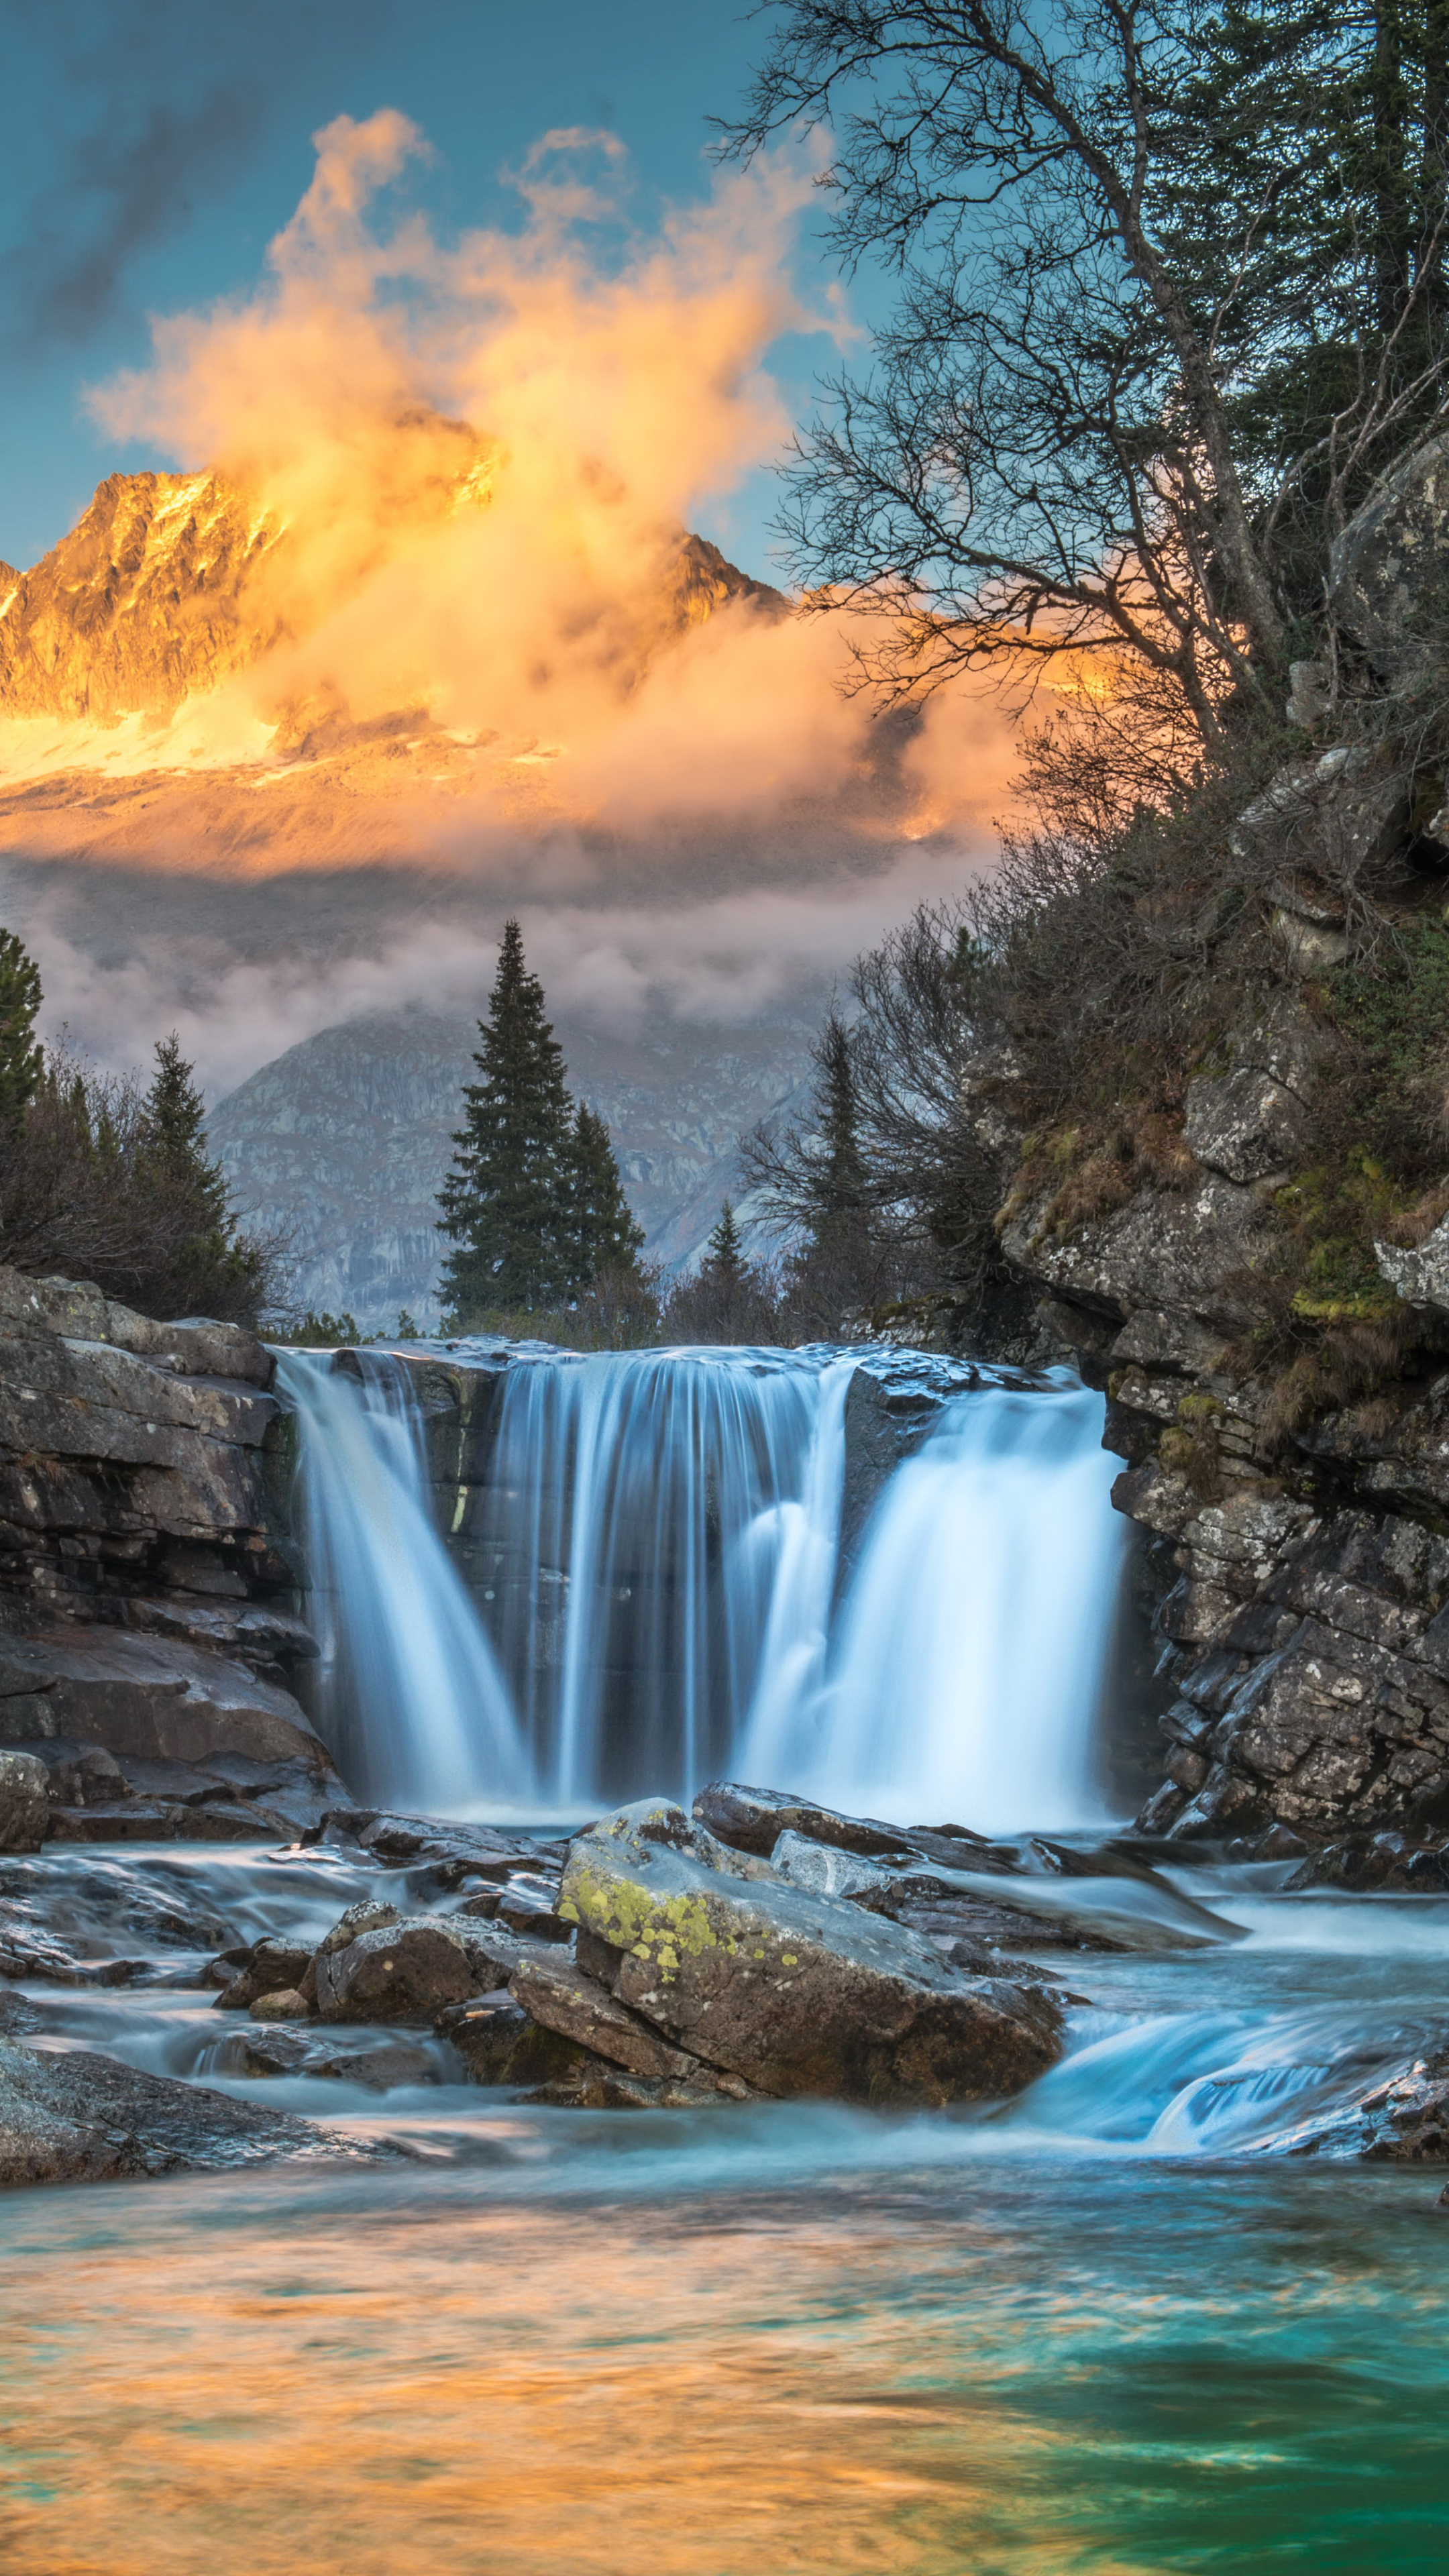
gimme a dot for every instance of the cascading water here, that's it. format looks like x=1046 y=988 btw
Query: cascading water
x=656 y=1551
x=967 y=1667
x=413 y=1703
x=664 y=1525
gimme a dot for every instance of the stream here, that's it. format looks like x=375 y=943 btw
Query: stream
x=1119 y=2325
x=1141 y=2318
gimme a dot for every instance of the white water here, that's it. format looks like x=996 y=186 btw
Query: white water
x=662 y=1586
x=413 y=1703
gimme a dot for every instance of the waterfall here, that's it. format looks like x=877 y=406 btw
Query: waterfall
x=662 y=1535
x=968 y=1664
x=414 y=1707
x=658 y=1595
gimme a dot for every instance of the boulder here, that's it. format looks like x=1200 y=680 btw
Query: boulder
x=77 y=2117
x=753 y=1820
x=1386 y=564
x=77 y=1775
x=274 y=1967
x=154 y=1698
x=1420 y=1276
x=556 y=1993
x=500 y=2043
x=796 y=1993
x=408 y=1971
x=24 y=1801
x=1244 y=1124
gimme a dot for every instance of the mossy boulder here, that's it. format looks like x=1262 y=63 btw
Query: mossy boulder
x=797 y=1993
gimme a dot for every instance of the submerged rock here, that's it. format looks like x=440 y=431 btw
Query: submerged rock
x=83 y=2118
x=796 y=1993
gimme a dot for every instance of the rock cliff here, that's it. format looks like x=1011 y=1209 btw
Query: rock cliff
x=142 y=1584
x=1296 y=1510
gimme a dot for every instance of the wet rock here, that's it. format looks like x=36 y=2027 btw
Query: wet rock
x=272 y=1967
x=602 y=2087
x=530 y=1906
x=795 y=1993
x=409 y=1971
x=557 y=1994
x=1007 y=1927
x=282 y=2051
x=822 y=1869
x=286 y=2004
x=753 y=1820
x=368 y=1915
x=77 y=2117
x=146 y=1696
x=1390 y=1864
x=78 y=1775
x=24 y=1801
x=500 y=2043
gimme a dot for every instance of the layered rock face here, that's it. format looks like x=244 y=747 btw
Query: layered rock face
x=143 y=1588
x=1299 y=1568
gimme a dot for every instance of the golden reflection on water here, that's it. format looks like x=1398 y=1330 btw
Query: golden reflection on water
x=494 y=2389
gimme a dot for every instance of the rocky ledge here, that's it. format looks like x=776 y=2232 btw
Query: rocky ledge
x=145 y=1572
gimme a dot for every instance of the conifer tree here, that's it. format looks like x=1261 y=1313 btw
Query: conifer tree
x=724 y=1263
x=509 y=1204
x=20 y=1056
x=607 y=1236
x=173 y=1117
x=840 y=1176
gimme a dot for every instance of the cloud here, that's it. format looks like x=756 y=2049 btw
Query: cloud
x=609 y=965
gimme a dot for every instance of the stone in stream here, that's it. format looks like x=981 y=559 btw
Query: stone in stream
x=407 y=1971
x=797 y=1993
x=499 y=2043
x=557 y=1993
x=271 y=1968
x=78 y=2117
x=753 y=1820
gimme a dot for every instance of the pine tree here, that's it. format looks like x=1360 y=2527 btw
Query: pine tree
x=840 y=1185
x=509 y=1203
x=607 y=1236
x=724 y=1264
x=174 y=1142
x=20 y=1056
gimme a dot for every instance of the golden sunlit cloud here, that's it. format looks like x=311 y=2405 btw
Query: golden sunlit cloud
x=444 y=488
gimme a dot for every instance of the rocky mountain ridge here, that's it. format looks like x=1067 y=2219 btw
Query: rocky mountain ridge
x=169 y=584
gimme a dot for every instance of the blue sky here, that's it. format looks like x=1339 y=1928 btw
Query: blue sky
x=153 y=147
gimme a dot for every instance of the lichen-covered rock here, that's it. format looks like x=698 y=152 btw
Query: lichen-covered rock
x=1244 y=1124
x=1386 y=564
x=1420 y=1276
x=796 y=1993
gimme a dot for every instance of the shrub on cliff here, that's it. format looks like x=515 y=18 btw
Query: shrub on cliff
x=102 y=1180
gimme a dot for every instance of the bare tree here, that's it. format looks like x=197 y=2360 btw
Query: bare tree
x=1141 y=327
